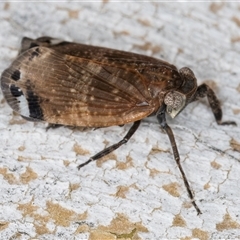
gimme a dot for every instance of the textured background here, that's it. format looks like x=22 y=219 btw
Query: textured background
x=136 y=192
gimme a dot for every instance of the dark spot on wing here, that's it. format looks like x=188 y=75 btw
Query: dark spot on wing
x=16 y=75
x=16 y=91
x=33 y=103
x=33 y=44
x=34 y=54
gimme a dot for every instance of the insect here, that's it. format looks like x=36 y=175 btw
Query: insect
x=80 y=85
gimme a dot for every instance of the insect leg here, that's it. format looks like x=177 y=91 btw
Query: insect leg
x=53 y=126
x=113 y=147
x=204 y=90
x=162 y=120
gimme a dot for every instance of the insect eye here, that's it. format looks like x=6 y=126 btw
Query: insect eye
x=175 y=102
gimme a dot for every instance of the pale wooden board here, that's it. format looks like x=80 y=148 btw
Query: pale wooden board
x=138 y=190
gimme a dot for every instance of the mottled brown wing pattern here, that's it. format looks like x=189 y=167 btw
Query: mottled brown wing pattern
x=101 y=54
x=58 y=88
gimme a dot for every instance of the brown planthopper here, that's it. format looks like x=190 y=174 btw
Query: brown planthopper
x=80 y=85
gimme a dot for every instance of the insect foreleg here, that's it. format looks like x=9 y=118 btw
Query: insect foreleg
x=204 y=90
x=162 y=120
x=113 y=147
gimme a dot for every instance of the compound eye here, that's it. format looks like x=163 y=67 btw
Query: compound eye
x=175 y=102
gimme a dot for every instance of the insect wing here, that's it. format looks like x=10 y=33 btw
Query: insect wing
x=101 y=54
x=45 y=84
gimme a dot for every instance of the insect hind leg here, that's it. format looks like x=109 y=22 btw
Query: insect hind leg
x=205 y=91
x=113 y=147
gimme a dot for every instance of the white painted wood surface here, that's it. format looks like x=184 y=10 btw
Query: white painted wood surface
x=138 y=190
